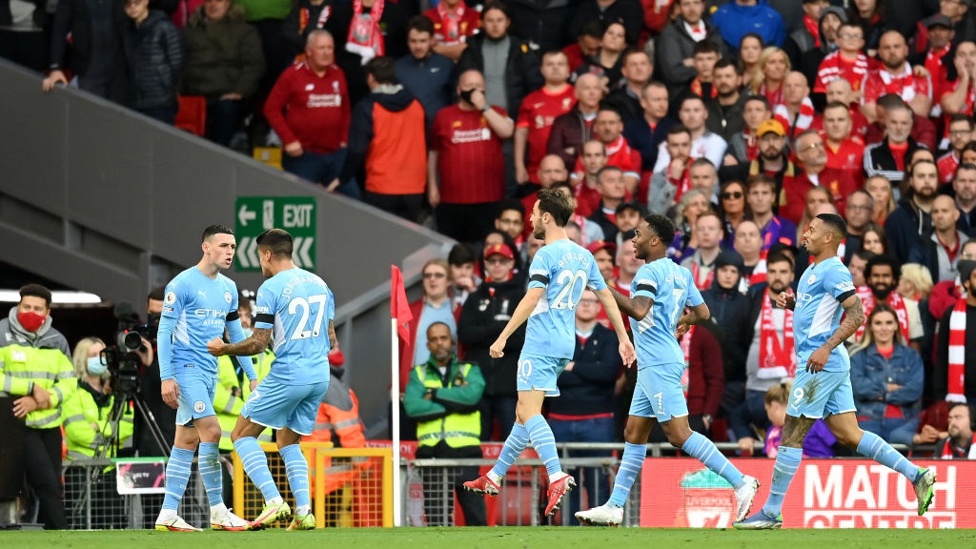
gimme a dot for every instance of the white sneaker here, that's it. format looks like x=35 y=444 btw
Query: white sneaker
x=175 y=524
x=744 y=495
x=604 y=515
x=225 y=520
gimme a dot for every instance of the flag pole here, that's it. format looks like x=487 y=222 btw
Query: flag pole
x=395 y=418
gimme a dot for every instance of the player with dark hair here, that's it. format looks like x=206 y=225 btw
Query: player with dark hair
x=560 y=272
x=822 y=389
x=297 y=308
x=198 y=305
x=660 y=292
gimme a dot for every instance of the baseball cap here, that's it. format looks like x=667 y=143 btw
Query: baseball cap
x=771 y=125
x=938 y=20
x=597 y=245
x=631 y=205
x=499 y=249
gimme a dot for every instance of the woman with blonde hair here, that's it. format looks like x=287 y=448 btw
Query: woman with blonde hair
x=880 y=190
x=819 y=442
x=887 y=377
x=915 y=282
x=91 y=431
x=693 y=203
x=774 y=65
x=750 y=51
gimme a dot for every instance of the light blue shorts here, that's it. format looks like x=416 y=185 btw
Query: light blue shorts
x=277 y=406
x=196 y=398
x=658 y=393
x=821 y=394
x=539 y=373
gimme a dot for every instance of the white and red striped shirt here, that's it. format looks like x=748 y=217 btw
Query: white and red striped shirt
x=834 y=66
x=904 y=84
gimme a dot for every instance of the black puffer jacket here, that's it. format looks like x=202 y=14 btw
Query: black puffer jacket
x=484 y=316
x=154 y=54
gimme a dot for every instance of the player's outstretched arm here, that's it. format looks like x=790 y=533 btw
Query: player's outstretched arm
x=637 y=306
x=235 y=333
x=520 y=315
x=253 y=345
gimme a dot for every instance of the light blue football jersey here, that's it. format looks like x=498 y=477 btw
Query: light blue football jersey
x=297 y=306
x=199 y=305
x=817 y=313
x=565 y=269
x=672 y=288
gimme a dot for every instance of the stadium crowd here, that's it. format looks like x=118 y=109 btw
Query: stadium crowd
x=741 y=120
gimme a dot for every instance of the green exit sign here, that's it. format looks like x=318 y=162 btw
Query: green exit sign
x=256 y=214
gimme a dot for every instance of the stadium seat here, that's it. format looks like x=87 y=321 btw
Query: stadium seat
x=192 y=114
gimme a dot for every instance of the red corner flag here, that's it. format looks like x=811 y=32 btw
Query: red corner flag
x=399 y=306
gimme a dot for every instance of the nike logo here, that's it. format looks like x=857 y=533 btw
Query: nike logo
x=435 y=69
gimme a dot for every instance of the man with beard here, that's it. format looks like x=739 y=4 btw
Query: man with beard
x=964 y=186
x=726 y=109
x=959 y=443
x=773 y=160
x=881 y=275
x=912 y=217
x=939 y=251
x=895 y=75
x=759 y=340
x=960 y=132
x=888 y=157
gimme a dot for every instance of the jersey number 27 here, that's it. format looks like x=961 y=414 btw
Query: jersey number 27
x=304 y=304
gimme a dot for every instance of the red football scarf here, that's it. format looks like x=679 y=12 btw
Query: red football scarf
x=451 y=21
x=365 y=36
x=957 y=353
x=896 y=303
x=695 y=273
x=777 y=360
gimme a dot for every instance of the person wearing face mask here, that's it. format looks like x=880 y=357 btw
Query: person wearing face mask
x=90 y=432
x=36 y=372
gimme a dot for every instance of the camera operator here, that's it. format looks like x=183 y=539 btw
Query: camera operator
x=90 y=432
x=151 y=391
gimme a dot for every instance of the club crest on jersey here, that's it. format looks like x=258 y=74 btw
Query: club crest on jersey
x=170 y=298
x=812 y=279
x=199 y=406
x=227 y=297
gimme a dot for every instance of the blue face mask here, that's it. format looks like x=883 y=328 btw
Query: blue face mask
x=95 y=366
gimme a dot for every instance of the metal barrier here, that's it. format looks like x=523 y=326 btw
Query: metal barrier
x=350 y=487
x=92 y=502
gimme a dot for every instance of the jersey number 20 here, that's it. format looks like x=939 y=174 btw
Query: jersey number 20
x=303 y=304
x=573 y=285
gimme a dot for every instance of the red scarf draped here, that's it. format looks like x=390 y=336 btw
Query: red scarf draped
x=451 y=22
x=896 y=303
x=696 y=88
x=695 y=272
x=813 y=27
x=777 y=359
x=365 y=36
x=957 y=353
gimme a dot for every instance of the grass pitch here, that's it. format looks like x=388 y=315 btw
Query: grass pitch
x=493 y=538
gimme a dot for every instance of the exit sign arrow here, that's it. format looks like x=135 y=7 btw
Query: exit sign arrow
x=244 y=215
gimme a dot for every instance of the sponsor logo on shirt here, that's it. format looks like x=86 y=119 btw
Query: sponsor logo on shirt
x=170 y=298
x=309 y=87
x=227 y=297
x=321 y=100
x=471 y=136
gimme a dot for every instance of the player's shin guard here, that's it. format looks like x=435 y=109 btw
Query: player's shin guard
x=704 y=450
x=210 y=472
x=630 y=466
x=517 y=440
x=297 y=470
x=256 y=466
x=876 y=448
x=787 y=462
x=177 y=477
